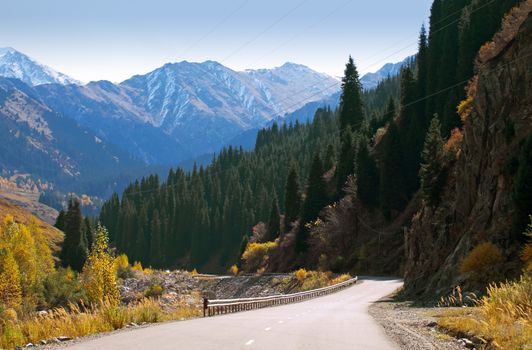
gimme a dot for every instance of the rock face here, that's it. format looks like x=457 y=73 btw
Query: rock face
x=477 y=203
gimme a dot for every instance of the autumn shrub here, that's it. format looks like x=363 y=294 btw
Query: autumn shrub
x=452 y=146
x=154 y=290
x=121 y=266
x=137 y=266
x=301 y=275
x=61 y=288
x=501 y=318
x=234 y=270
x=256 y=255
x=318 y=279
x=482 y=263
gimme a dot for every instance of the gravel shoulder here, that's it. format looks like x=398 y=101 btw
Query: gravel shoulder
x=411 y=327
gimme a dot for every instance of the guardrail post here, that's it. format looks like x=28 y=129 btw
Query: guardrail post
x=205 y=305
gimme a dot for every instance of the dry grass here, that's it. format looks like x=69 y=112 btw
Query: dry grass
x=501 y=318
x=79 y=321
x=317 y=279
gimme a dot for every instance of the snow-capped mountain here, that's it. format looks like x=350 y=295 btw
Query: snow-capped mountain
x=371 y=80
x=185 y=109
x=14 y=64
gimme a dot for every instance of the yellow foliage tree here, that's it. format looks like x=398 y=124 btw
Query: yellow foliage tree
x=27 y=253
x=98 y=276
x=10 y=290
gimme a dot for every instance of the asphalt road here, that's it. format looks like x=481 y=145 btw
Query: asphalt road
x=335 y=321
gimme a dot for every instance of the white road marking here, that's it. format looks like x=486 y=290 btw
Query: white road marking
x=267 y=328
x=251 y=341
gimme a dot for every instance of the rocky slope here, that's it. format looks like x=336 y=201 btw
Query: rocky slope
x=478 y=202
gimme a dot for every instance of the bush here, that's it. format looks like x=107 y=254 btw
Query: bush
x=502 y=317
x=61 y=288
x=154 y=290
x=256 y=255
x=137 y=266
x=301 y=275
x=483 y=262
x=121 y=266
x=234 y=270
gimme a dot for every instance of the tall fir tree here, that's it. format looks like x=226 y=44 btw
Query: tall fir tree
x=392 y=183
x=351 y=111
x=274 y=222
x=346 y=165
x=315 y=200
x=367 y=175
x=432 y=159
x=292 y=201
x=74 y=248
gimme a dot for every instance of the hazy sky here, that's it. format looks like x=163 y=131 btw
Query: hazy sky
x=115 y=39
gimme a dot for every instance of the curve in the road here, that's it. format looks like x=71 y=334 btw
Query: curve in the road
x=336 y=321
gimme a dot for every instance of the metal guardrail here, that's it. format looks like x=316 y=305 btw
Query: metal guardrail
x=226 y=306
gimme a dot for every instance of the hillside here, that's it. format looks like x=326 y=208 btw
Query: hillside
x=487 y=193
x=53 y=236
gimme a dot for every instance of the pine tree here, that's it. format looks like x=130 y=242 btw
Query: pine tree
x=315 y=200
x=292 y=198
x=87 y=231
x=392 y=189
x=432 y=159
x=367 y=176
x=73 y=250
x=274 y=223
x=346 y=165
x=351 y=111
x=60 y=221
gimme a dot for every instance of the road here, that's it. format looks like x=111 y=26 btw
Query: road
x=335 y=321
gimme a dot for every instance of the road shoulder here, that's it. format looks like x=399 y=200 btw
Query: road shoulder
x=411 y=327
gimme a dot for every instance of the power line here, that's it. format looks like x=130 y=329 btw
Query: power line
x=342 y=5
x=381 y=60
x=216 y=26
x=406 y=105
x=265 y=30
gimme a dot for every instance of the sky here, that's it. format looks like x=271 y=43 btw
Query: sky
x=116 y=39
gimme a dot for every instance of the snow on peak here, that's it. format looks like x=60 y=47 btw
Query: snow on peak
x=14 y=64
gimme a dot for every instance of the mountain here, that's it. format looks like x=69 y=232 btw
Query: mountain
x=204 y=105
x=39 y=141
x=371 y=80
x=176 y=112
x=14 y=64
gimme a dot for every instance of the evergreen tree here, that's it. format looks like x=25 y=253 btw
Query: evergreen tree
x=74 y=249
x=367 y=176
x=274 y=223
x=392 y=188
x=346 y=165
x=351 y=111
x=292 y=198
x=87 y=231
x=330 y=158
x=432 y=159
x=60 y=221
x=315 y=200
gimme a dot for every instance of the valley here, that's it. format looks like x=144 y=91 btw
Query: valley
x=289 y=208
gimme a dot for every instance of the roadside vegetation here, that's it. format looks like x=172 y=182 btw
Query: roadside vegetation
x=502 y=318
x=40 y=302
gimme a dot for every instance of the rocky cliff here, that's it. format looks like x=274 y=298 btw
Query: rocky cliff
x=478 y=203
